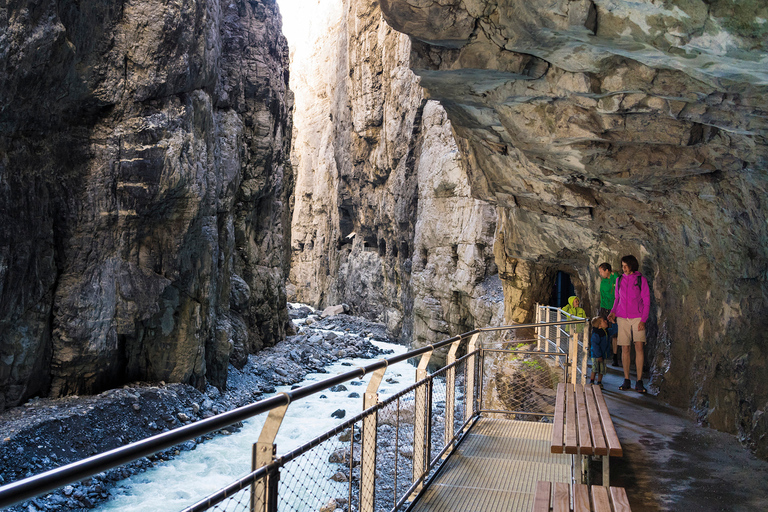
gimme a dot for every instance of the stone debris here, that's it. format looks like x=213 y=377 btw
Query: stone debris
x=46 y=433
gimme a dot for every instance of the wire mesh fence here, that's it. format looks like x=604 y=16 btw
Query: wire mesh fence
x=323 y=477
x=395 y=431
x=240 y=502
x=519 y=384
x=378 y=460
x=414 y=431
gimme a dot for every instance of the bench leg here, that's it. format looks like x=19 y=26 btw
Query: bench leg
x=585 y=461
x=606 y=470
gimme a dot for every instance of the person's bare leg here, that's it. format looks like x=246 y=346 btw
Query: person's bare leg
x=615 y=343
x=639 y=359
x=625 y=359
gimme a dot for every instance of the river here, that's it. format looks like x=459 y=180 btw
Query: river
x=178 y=483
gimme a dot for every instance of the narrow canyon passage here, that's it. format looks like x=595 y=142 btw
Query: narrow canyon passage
x=173 y=173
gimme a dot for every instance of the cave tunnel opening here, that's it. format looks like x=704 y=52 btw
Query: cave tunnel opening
x=562 y=288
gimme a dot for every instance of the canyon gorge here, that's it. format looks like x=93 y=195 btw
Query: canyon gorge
x=163 y=194
x=145 y=192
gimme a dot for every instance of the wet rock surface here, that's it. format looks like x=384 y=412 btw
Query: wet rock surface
x=144 y=197
x=606 y=128
x=47 y=433
x=384 y=216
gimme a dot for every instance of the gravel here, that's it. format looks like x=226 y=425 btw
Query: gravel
x=47 y=433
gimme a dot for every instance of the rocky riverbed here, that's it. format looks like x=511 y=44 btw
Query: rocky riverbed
x=44 y=434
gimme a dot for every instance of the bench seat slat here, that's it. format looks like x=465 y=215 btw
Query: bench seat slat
x=584 y=434
x=600 y=499
x=598 y=437
x=612 y=439
x=541 y=498
x=562 y=502
x=557 y=426
x=580 y=498
x=558 y=497
x=620 y=501
x=571 y=437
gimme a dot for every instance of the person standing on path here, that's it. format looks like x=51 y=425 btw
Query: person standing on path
x=599 y=347
x=631 y=308
x=607 y=298
x=574 y=309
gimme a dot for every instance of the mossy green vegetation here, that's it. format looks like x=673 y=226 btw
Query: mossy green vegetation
x=745 y=18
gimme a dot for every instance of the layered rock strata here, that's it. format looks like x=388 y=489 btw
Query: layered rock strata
x=383 y=218
x=603 y=128
x=144 y=192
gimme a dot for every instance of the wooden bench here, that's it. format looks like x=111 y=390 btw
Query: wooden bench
x=583 y=497
x=583 y=426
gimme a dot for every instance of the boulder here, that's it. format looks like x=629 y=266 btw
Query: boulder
x=339 y=309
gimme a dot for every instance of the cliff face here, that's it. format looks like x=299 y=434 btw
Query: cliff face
x=383 y=218
x=143 y=148
x=608 y=128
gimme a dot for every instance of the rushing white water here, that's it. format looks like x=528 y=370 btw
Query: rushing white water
x=176 y=484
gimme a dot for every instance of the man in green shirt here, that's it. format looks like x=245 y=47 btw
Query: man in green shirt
x=607 y=297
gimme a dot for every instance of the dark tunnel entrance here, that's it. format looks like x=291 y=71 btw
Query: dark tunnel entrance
x=562 y=288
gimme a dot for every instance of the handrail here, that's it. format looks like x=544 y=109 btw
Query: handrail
x=58 y=477
x=53 y=479
x=47 y=481
x=579 y=351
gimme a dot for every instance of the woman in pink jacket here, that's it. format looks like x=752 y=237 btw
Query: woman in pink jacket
x=631 y=308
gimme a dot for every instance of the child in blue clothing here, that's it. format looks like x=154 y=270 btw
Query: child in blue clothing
x=600 y=347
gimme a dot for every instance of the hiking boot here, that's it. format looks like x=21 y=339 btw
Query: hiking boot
x=639 y=387
x=626 y=386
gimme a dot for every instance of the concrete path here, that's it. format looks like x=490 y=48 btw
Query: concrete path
x=671 y=463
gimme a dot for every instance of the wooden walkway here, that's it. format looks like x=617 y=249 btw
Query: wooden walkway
x=496 y=468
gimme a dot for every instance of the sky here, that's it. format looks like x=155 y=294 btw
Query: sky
x=297 y=16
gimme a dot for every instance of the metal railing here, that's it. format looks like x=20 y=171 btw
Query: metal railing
x=377 y=460
x=555 y=332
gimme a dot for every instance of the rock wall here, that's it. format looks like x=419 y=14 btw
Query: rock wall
x=383 y=219
x=603 y=128
x=144 y=186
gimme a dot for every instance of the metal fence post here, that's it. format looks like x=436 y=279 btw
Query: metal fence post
x=264 y=491
x=368 y=454
x=450 y=395
x=559 y=330
x=537 y=329
x=420 y=430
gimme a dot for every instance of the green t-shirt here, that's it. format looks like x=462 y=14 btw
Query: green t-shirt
x=608 y=291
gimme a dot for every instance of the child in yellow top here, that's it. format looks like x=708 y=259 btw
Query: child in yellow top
x=573 y=308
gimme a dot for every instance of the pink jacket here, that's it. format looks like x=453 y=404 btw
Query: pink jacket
x=632 y=302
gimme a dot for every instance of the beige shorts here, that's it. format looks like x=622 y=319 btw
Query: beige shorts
x=628 y=331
